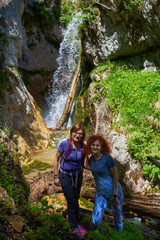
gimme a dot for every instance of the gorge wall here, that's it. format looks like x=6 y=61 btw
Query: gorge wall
x=118 y=32
x=26 y=52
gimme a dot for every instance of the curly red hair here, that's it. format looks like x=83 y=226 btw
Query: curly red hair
x=104 y=144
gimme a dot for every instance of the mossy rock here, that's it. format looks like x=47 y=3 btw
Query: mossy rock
x=35 y=165
x=82 y=112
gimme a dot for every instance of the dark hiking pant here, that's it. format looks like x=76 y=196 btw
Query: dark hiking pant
x=71 y=193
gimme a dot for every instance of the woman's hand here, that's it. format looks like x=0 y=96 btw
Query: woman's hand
x=56 y=160
x=86 y=163
x=115 y=202
x=57 y=181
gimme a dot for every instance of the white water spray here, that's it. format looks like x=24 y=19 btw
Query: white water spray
x=62 y=78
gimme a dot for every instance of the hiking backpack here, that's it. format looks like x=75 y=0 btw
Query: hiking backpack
x=68 y=152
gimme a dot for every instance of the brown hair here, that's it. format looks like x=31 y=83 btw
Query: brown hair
x=104 y=144
x=75 y=128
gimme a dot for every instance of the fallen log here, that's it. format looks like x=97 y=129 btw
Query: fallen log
x=62 y=123
x=154 y=161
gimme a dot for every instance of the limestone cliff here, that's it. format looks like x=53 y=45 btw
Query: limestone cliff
x=119 y=32
x=19 y=112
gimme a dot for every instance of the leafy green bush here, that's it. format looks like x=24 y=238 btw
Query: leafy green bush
x=44 y=225
x=133 y=95
x=128 y=4
x=67 y=11
x=11 y=176
x=130 y=232
x=86 y=8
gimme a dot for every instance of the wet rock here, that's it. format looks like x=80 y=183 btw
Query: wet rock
x=17 y=222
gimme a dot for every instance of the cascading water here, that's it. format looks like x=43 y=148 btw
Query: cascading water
x=62 y=78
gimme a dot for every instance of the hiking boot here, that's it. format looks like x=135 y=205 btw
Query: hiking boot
x=81 y=229
x=78 y=233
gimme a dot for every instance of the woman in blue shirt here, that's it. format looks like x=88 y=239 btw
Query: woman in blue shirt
x=108 y=189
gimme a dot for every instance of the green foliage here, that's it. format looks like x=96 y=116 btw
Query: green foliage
x=45 y=225
x=82 y=112
x=38 y=13
x=128 y=4
x=86 y=8
x=130 y=232
x=89 y=14
x=133 y=95
x=6 y=130
x=67 y=11
x=86 y=203
x=33 y=166
x=96 y=234
x=11 y=176
x=5 y=207
x=86 y=219
x=40 y=9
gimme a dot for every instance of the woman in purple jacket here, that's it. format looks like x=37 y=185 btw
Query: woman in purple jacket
x=71 y=155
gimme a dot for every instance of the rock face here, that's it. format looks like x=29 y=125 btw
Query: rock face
x=12 y=11
x=41 y=38
x=18 y=110
x=22 y=117
x=120 y=32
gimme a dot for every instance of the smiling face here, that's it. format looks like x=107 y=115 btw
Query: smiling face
x=96 y=148
x=77 y=136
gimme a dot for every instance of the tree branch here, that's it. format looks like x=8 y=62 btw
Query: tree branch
x=154 y=161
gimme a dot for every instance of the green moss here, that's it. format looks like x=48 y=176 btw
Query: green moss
x=128 y=4
x=11 y=177
x=36 y=165
x=82 y=111
x=86 y=203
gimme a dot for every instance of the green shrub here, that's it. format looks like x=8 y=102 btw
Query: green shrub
x=128 y=4
x=133 y=95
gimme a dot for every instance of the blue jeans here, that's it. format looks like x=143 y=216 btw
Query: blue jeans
x=100 y=206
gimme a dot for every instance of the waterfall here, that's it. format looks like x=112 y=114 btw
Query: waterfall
x=62 y=78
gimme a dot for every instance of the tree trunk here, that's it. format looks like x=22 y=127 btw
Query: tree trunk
x=65 y=116
x=154 y=161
